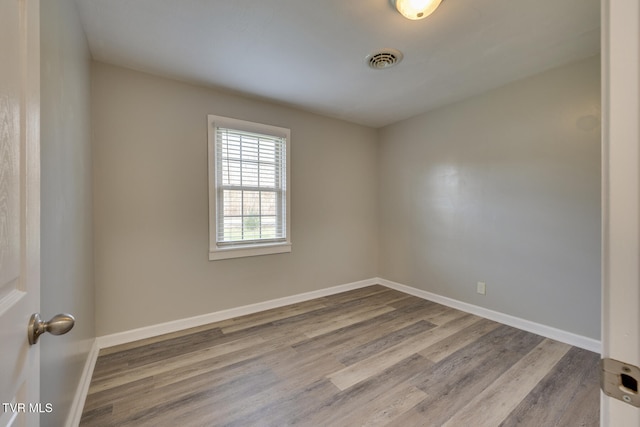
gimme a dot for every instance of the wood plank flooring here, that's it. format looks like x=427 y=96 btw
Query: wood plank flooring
x=372 y=356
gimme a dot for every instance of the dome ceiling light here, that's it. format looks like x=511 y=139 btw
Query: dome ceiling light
x=416 y=9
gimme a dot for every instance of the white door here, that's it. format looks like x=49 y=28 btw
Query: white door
x=19 y=209
x=621 y=197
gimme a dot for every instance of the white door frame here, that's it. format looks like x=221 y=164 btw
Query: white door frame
x=620 y=196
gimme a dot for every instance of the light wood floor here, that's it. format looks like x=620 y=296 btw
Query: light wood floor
x=373 y=356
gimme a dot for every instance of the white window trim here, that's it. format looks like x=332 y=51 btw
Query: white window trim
x=219 y=252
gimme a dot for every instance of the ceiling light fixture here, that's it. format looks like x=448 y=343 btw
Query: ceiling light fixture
x=416 y=9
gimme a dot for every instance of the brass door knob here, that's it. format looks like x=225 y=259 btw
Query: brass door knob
x=58 y=325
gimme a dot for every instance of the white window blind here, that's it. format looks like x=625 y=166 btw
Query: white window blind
x=250 y=187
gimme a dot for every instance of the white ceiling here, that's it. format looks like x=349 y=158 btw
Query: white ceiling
x=310 y=54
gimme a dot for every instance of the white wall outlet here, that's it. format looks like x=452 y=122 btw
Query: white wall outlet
x=482 y=288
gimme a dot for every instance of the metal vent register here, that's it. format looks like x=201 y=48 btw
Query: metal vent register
x=384 y=58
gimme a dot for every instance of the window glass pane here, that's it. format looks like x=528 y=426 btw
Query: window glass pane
x=267 y=151
x=231 y=173
x=232 y=228
x=250 y=174
x=251 y=227
x=230 y=146
x=249 y=149
x=268 y=175
x=268 y=203
x=232 y=203
x=269 y=227
x=251 y=203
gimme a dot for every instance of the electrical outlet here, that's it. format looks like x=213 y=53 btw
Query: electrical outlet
x=482 y=288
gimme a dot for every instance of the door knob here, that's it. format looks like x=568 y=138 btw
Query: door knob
x=59 y=324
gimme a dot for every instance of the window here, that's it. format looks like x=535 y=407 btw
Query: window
x=248 y=189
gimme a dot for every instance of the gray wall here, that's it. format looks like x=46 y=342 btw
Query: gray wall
x=151 y=203
x=502 y=188
x=66 y=225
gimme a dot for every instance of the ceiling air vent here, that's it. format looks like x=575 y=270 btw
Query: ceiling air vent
x=384 y=58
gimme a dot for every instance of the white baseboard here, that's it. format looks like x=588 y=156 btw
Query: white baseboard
x=180 y=324
x=191 y=322
x=75 y=412
x=526 y=325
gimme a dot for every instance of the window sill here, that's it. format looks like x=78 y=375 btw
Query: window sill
x=247 y=251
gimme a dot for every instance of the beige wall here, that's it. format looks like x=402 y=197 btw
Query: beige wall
x=502 y=188
x=66 y=229
x=151 y=206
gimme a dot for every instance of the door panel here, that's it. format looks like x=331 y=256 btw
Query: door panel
x=19 y=209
